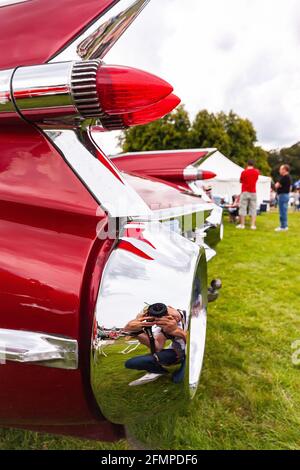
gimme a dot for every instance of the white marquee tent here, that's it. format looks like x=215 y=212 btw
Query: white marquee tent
x=227 y=182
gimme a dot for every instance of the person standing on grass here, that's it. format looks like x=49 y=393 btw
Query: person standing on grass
x=249 y=178
x=283 y=187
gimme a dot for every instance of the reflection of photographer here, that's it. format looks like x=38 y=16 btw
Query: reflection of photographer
x=154 y=327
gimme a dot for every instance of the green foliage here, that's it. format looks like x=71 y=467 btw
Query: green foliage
x=169 y=133
x=290 y=156
x=208 y=131
x=234 y=136
x=260 y=156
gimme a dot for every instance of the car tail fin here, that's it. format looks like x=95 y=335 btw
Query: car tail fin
x=181 y=167
x=36 y=31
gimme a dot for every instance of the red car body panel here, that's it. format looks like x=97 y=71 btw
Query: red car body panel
x=51 y=264
x=155 y=164
x=145 y=162
x=32 y=32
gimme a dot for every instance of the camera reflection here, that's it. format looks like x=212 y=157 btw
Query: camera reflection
x=162 y=330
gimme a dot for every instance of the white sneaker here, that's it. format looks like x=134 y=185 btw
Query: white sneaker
x=280 y=229
x=241 y=227
x=145 y=379
x=253 y=227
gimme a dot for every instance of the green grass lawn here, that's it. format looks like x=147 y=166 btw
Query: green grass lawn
x=249 y=397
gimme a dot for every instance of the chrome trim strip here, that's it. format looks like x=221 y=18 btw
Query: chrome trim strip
x=210 y=152
x=97 y=40
x=106 y=186
x=174 y=212
x=162 y=152
x=38 y=348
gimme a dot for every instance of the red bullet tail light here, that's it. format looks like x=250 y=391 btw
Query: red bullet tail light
x=208 y=175
x=152 y=113
x=66 y=92
x=142 y=117
x=127 y=90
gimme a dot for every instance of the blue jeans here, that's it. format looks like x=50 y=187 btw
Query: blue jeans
x=283 y=202
x=148 y=363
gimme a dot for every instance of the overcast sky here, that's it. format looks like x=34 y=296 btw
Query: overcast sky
x=223 y=54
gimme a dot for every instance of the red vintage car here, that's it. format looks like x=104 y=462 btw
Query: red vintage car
x=103 y=261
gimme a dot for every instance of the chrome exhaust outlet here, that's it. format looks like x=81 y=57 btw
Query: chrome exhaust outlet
x=214 y=290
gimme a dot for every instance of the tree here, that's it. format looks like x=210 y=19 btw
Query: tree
x=242 y=136
x=208 y=131
x=290 y=156
x=169 y=133
x=260 y=156
x=232 y=135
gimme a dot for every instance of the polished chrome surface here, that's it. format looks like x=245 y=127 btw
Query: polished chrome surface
x=150 y=265
x=193 y=172
x=5 y=3
x=215 y=217
x=178 y=212
x=7 y=107
x=84 y=88
x=221 y=232
x=101 y=178
x=198 y=190
x=38 y=348
x=209 y=252
x=200 y=223
x=214 y=290
x=211 y=232
x=62 y=93
x=97 y=45
x=44 y=90
x=210 y=152
x=97 y=40
x=190 y=173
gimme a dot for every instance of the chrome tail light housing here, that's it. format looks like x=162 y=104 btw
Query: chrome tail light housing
x=69 y=92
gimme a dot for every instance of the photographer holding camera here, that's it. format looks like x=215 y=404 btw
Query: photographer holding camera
x=154 y=327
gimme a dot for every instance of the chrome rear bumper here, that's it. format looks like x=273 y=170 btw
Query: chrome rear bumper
x=149 y=265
